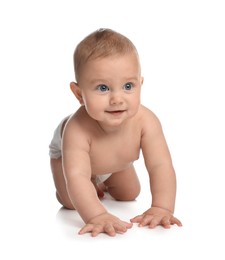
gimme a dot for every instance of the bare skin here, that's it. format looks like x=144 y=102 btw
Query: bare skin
x=105 y=136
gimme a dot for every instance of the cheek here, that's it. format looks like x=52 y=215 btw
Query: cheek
x=135 y=100
x=93 y=104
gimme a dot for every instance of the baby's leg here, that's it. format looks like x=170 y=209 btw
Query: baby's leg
x=60 y=183
x=124 y=185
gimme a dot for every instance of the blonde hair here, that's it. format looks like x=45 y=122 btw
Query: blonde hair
x=99 y=44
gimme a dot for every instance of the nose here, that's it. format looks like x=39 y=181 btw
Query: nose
x=116 y=99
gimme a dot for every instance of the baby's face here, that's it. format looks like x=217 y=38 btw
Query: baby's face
x=111 y=87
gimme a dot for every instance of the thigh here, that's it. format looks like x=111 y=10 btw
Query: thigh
x=124 y=185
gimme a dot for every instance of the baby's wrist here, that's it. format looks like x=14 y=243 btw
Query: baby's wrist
x=162 y=208
x=96 y=216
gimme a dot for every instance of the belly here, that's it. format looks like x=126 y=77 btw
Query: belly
x=110 y=163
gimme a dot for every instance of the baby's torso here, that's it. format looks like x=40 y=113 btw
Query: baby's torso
x=109 y=151
x=112 y=153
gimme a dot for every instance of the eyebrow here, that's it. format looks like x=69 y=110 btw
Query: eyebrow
x=131 y=79
x=98 y=81
x=94 y=81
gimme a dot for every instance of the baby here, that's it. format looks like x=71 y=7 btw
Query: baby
x=93 y=150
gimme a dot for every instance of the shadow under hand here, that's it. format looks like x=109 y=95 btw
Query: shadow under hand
x=70 y=221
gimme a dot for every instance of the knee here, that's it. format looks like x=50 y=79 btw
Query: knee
x=129 y=194
x=65 y=204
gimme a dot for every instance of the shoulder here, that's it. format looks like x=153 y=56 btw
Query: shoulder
x=150 y=125
x=152 y=136
x=80 y=126
x=80 y=120
x=147 y=117
x=77 y=127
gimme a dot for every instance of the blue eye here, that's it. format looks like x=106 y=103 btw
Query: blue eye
x=128 y=86
x=103 y=88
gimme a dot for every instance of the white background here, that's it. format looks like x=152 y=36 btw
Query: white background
x=181 y=45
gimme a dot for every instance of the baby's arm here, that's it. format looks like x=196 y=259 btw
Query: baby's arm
x=83 y=195
x=161 y=173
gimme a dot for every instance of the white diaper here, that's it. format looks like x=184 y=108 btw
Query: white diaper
x=101 y=178
x=55 y=146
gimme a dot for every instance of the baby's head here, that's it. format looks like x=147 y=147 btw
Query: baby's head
x=101 y=44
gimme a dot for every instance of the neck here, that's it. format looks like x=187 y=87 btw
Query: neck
x=111 y=129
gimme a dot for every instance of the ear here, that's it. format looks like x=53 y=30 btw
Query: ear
x=77 y=92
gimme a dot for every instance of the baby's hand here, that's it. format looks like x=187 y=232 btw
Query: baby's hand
x=156 y=216
x=105 y=223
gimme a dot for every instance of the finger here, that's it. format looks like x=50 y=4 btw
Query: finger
x=127 y=224
x=145 y=220
x=165 y=222
x=87 y=228
x=110 y=230
x=136 y=219
x=97 y=229
x=176 y=221
x=155 y=221
x=120 y=228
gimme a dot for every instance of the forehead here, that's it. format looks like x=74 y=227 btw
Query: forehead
x=127 y=63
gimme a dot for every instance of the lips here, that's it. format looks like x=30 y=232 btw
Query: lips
x=115 y=112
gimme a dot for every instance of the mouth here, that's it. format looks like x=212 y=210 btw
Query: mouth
x=115 y=112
